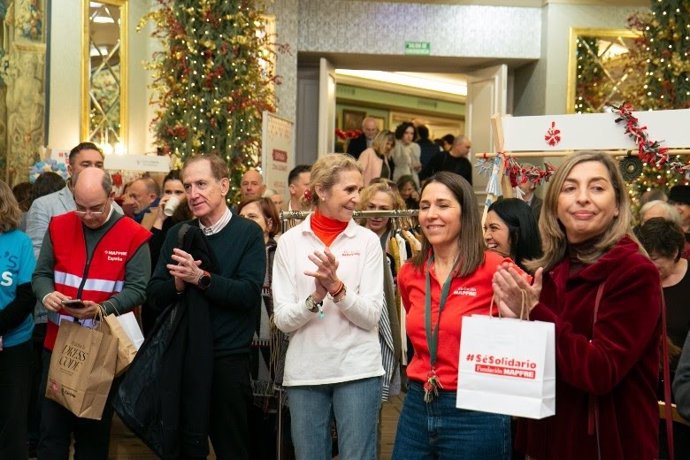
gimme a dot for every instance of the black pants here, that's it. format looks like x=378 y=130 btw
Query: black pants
x=230 y=402
x=91 y=437
x=36 y=398
x=15 y=380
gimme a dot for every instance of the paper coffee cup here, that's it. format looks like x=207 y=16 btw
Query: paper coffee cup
x=170 y=205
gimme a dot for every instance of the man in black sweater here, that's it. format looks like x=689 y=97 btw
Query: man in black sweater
x=454 y=160
x=233 y=294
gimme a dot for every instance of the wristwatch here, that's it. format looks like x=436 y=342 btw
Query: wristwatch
x=312 y=305
x=204 y=280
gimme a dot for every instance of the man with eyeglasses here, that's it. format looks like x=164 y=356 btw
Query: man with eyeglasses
x=95 y=255
x=83 y=155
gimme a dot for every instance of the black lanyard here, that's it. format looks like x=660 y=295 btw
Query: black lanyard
x=433 y=384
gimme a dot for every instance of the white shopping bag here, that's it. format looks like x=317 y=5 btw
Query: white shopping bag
x=131 y=327
x=507 y=366
x=129 y=338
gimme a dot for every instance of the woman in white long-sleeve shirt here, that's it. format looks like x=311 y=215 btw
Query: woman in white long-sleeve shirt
x=328 y=295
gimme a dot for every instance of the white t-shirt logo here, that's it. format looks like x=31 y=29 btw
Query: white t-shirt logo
x=6 y=279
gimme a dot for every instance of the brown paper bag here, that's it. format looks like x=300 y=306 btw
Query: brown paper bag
x=82 y=368
x=126 y=350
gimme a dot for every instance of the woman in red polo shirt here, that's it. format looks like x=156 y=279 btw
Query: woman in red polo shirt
x=449 y=278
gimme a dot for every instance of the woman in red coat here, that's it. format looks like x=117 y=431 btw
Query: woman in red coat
x=607 y=354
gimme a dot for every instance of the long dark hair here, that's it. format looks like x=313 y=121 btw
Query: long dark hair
x=470 y=239
x=525 y=243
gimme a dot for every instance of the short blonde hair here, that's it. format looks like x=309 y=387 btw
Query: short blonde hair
x=326 y=171
x=379 y=142
x=553 y=237
x=10 y=214
x=368 y=193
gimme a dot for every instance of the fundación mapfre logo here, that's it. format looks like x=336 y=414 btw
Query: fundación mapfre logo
x=504 y=366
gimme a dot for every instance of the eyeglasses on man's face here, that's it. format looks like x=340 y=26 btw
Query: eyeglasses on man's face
x=94 y=211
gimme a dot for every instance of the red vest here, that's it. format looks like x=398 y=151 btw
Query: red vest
x=98 y=278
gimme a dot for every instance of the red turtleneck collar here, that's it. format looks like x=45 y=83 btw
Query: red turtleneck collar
x=326 y=229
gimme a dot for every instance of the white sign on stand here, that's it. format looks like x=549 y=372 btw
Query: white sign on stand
x=277 y=152
x=146 y=163
x=596 y=131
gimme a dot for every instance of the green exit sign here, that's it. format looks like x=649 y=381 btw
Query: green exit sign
x=418 y=48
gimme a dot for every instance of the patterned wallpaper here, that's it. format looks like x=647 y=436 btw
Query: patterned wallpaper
x=285 y=12
x=453 y=30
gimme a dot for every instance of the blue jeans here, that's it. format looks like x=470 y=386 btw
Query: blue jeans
x=439 y=430
x=355 y=405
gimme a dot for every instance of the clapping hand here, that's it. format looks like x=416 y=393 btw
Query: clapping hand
x=509 y=285
x=184 y=269
x=325 y=275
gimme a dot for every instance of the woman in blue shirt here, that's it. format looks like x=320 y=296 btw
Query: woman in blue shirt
x=16 y=324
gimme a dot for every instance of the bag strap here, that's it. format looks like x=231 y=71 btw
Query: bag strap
x=184 y=228
x=597 y=301
x=593 y=422
x=668 y=409
x=593 y=418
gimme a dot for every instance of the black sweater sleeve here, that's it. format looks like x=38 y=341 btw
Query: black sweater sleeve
x=17 y=310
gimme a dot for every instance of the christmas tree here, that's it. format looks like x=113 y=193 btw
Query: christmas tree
x=663 y=50
x=589 y=87
x=212 y=81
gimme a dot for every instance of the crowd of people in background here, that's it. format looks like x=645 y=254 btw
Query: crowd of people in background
x=331 y=312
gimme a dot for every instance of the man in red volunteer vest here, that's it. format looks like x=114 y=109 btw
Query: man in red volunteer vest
x=96 y=255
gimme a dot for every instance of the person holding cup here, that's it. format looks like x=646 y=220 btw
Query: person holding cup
x=173 y=196
x=172 y=209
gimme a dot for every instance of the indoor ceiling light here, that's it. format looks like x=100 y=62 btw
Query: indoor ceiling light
x=413 y=80
x=103 y=20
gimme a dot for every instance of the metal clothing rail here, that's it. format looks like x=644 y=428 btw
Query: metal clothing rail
x=290 y=216
x=393 y=213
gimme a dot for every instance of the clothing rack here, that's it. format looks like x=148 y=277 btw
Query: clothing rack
x=286 y=217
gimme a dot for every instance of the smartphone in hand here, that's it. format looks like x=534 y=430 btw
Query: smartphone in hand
x=73 y=303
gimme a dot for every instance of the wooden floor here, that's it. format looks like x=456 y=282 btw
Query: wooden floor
x=125 y=446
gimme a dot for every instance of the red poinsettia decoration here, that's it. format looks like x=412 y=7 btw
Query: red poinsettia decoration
x=345 y=135
x=117 y=179
x=553 y=135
